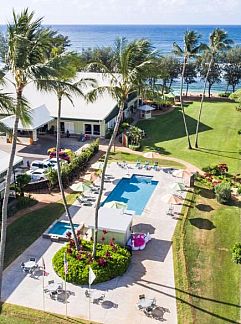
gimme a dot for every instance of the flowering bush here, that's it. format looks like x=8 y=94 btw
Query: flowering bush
x=111 y=261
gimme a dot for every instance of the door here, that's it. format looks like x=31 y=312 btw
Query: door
x=69 y=126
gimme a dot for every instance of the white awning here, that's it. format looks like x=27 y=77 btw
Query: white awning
x=39 y=117
x=146 y=108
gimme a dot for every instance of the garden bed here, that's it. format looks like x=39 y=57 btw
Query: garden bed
x=111 y=261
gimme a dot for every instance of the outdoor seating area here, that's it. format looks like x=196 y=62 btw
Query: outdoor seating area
x=54 y=289
x=150 y=308
x=30 y=266
x=150 y=235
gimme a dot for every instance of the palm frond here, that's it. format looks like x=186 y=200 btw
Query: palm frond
x=23 y=111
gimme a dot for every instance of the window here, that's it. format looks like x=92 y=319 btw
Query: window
x=96 y=130
x=88 y=129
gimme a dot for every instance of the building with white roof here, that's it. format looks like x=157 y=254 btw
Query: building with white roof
x=79 y=117
x=4 y=162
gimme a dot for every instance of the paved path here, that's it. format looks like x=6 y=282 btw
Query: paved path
x=150 y=273
x=188 y=165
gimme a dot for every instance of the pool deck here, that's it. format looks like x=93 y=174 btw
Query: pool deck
x=150 y=273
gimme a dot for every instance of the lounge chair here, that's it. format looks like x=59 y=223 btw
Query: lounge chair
x=32 y=259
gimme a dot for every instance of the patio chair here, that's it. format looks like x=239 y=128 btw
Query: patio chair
x=50 y=282
x=141 y=296
x=32 y=259
x=53 y=294
x=148 y=311
x=87 y=294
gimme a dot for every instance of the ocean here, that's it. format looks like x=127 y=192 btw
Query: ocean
x=161 y=36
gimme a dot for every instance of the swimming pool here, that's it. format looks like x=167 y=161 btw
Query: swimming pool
x=59 y=229
x=134 y=191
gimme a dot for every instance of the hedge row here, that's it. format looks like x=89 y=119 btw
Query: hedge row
x=73 y=169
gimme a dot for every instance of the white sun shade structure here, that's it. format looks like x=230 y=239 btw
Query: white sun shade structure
x=116 y=205
x=181 y=173
x=172 y=199
x=115 y=222
x=80 y=187
x=145 y=111
x=151 y=155
x=97 y=166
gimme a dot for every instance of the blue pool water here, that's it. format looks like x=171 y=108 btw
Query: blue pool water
x=60 y=228
x=134 y=191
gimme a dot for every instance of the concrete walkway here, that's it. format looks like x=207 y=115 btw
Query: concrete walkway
x=150 y=273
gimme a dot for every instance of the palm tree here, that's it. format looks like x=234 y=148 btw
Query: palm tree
x=63 y=87
x=190 y=50
x=28 y=46
x=128 y=79
x=218 y=41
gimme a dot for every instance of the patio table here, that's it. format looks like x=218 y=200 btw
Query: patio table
x=53 y=287
x=145 y=302
x=30 y=264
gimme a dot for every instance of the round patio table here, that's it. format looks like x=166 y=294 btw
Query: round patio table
x=53 y=287
x=30 y=264
x=145 y=302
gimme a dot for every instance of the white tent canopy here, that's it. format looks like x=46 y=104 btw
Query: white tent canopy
x=146 y=108
x=39 y=117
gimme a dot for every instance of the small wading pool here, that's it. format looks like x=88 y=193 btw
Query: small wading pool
x=134 y=191
x=58 y=230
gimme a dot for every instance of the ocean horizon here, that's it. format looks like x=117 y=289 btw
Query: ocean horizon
x=161 y=36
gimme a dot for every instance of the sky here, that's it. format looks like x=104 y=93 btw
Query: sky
x=185 y=12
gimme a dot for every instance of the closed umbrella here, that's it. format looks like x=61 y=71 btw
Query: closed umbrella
x=172 y=199
x=116 y=205
x=80 y=187
x=181 y=173
x=151 y=155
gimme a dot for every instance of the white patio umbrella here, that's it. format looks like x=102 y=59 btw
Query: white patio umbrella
x=80 y=187
x=116 y=205
x=151 y=155
x=97 y=166
x=177 y=186
x=172 y=199
x=181 y=173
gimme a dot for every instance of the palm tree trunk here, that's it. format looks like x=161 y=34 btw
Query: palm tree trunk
x=202 y=101
x=59 y=175
x=181 y=101
x=187 y=88
x=119 y=118
x=6 y=196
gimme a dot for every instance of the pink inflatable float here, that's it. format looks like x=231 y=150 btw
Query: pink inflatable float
x=138 y=241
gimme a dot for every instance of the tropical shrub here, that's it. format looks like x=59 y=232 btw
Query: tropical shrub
x=111 y=261
x=21 y=181
x=71 y=170
x=223 y=192
x=134 y=135
x=216 y=170
x=236 y=253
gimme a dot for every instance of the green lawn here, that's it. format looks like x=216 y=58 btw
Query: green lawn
x=207 y=282
x=219 y=139
x=132 y=158
x=13 y=314
x=26 y=229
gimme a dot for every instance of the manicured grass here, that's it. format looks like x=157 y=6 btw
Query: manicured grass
x=132 y=158
x=219 y=139
x=26 y=229
x=207 y=282
x=13 y=314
